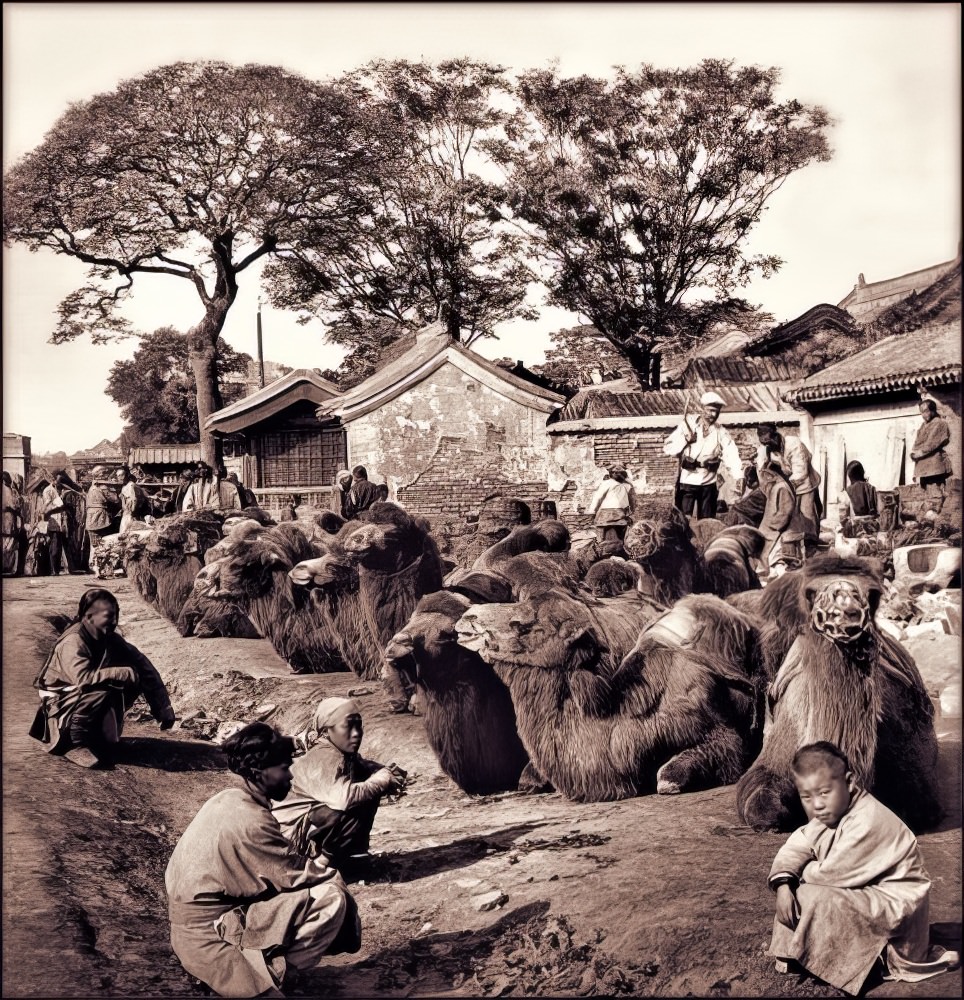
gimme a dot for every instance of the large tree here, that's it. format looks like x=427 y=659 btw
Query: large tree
x=428 y=249
x=194 y=171
x=155 y=388
x=639 y=192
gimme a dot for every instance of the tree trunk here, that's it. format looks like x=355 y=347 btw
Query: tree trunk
x=202 y=352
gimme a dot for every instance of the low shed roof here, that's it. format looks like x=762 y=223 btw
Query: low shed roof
x=905 y=361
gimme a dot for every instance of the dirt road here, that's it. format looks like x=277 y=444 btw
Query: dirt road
x=652 y=896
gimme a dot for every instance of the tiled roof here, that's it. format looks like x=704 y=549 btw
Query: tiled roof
x=925 y=357
x=302 y=383
x=820 y=315
x=432 y=348
x=737 y=369
x=599 y=402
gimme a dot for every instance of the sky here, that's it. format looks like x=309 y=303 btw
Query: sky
x=887 y=203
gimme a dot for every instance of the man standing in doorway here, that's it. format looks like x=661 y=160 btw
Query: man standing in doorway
x=701 y=446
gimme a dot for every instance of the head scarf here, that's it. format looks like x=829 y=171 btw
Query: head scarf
x=342 y=476
x=331 y=711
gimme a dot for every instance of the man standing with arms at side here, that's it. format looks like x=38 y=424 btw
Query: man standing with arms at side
x=931 y=464
x=701 y=446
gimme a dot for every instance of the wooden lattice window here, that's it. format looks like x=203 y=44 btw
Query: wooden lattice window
x=302 y=458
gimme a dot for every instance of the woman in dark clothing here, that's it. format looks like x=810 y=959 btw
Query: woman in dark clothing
x=863 y=497
x=750 y=507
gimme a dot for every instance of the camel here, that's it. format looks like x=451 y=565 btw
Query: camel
x=469 y=718
x=606 y=713
x=395 y=561
x=839 y=679
x=728 y=561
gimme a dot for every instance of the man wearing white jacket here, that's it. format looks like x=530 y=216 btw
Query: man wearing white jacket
x=701 y=446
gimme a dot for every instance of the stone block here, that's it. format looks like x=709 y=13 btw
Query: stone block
x=489 y=901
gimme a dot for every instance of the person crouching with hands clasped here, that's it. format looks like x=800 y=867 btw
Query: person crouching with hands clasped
x=244 y=907
x=850 y=885
x=335 y=792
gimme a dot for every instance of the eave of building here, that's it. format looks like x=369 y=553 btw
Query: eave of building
x=868 y=290
x=873 y=386
x=400 y=377
x=657 y=421
x=272 y=399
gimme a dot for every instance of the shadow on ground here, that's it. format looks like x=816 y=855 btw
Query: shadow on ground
x=165 y=754
x=426 y=861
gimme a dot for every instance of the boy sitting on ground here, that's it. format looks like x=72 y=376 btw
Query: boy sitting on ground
x=335 y=793
x=851 y=885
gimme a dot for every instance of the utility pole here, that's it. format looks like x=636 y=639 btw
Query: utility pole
x=260 y=349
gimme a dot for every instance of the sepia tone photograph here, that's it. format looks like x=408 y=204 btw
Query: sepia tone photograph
x=521 y=553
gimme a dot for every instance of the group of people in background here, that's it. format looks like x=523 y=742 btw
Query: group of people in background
x=779 y=492
x=354 y=493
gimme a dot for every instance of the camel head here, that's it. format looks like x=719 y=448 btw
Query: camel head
x=387 y=540
x=430 y=632
x=657 y=535
x=208 y=581
x=842 y=596
x=553 y=631
x=330 y=572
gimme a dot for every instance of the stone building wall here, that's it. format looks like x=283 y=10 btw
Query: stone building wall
x=449 y=442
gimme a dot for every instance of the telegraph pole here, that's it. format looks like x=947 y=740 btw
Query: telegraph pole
x=260 y=349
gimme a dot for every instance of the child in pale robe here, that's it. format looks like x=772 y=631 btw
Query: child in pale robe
x=851 y=885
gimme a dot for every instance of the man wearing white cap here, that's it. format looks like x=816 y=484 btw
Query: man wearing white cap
x=335 y=793
x=701 y=446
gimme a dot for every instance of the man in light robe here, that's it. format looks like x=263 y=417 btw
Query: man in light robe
x=335 y=792
x=851 y=885
x=243 y=905
x=702 y=446
x=89 y=681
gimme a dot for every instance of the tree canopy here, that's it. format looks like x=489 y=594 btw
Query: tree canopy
x=193 y=171
x=638 y=193
x=427 y=248
x=155 y=388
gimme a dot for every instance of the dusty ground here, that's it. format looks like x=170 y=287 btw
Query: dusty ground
x=652 y=896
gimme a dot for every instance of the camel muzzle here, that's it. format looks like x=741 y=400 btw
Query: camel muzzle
x=841 y=612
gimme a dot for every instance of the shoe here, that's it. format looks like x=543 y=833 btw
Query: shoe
x=82 y=757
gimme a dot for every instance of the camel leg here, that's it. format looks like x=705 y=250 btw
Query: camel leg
x=531 y=781
x=766 y=800
x=718 y=760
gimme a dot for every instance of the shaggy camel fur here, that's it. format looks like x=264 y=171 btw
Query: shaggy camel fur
x=606 y=717
x=254 y=578
x=544 y=536
x=469 y=718
x=173 y=567
x=728 y=561
x=841 y=680
x=613 y=576
x=662 y=543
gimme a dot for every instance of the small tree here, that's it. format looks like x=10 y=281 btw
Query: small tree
x=427 y=249
x=155 y=388
x=639 y=192
x=194 y=171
